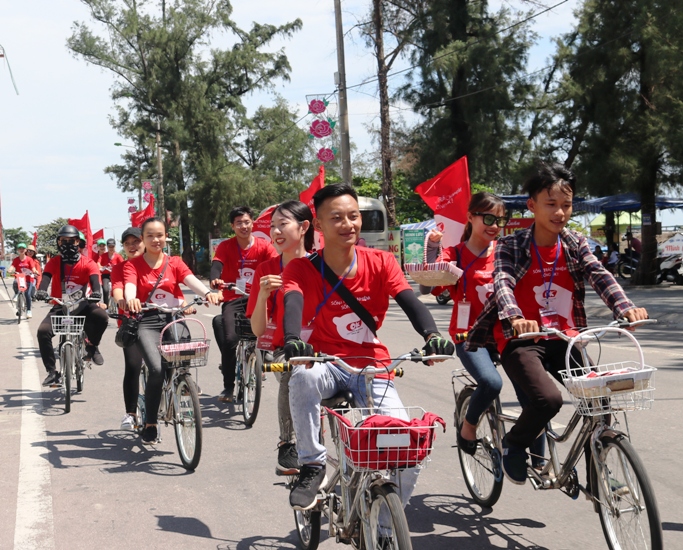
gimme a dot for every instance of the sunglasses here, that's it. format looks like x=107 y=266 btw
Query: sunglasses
x=490 y=219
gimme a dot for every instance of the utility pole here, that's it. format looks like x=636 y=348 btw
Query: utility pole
x=160 y=178
x=340 y=81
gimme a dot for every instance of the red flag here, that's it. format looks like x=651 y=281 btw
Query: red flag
x=136 y=218
x=95 y=237
x=262 y=223
x=34 y=242
x=83 y=225
x=306 y=196
x=448 y=195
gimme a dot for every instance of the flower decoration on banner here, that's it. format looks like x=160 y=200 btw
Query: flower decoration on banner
x=148 y=196
x=131 y=200
x=325 y=154
x=132 y=209
x=317 y=106
x=322 y=128
x=147 y=186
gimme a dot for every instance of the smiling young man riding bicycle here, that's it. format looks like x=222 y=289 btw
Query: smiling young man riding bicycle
x=334 y=327
x=539 y=281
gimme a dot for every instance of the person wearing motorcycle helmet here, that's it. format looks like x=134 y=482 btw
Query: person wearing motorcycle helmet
x=75 y=275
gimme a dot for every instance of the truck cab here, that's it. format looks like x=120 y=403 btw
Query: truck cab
x=375 y=230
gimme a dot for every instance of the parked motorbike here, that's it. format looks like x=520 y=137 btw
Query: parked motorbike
x=443 y=298
x=671 y=269
x=627 y=265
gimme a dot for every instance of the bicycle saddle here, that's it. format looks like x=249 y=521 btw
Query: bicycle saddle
x=343 y=400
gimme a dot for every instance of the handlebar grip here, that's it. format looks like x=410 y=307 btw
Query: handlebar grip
x=399 y=372
x=277 y=367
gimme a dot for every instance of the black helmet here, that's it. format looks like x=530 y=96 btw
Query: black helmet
x=68 y=231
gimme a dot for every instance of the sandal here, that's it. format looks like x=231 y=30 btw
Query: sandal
x=467 y=445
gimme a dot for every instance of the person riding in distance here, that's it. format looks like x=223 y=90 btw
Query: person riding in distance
x=291 y=230
x=106 y=260
x=26 y=265
x=32 y=253
x=235 y=261
x=539 y=282
x=332 y=328
x=69 y=273
x=141 y=275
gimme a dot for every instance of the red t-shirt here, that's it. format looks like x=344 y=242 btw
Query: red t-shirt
x=104 y=260
x=531 y=293
x=168 y=293
x=337 y=330
x=275 y=300
x=117 y=275
x=26 y=266
x=239 y=263
x=76 y=276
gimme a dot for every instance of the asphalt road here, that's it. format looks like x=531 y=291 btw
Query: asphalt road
x=76 y=481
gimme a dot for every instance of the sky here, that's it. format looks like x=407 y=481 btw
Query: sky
x=55 y=138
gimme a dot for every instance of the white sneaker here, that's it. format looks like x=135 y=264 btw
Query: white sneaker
x=128 y=422
x=29 y=314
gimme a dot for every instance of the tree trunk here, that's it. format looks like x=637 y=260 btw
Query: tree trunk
x=185 y=237
x=385 y=120
x=461 y=130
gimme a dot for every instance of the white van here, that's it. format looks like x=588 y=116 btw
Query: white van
x=375 y=230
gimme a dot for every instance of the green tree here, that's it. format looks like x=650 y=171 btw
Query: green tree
x=47 y=236
x=14 y=236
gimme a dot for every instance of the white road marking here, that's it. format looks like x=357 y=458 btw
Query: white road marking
x=34 y=526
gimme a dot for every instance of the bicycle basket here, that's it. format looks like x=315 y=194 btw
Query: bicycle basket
x=188 y=352
x=383 y=442
x=243 y=327
x=68 y=324
x=610 y=387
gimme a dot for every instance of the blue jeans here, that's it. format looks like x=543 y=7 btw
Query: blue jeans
x=29 y=293
x=489 y=382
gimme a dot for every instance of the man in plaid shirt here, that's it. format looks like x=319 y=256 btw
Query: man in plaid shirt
x=539 y=281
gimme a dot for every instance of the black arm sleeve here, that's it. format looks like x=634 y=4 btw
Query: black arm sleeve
x=95 y=283
x=294 y=307
x=216 y=269
x=417 y=312
x=45 y=281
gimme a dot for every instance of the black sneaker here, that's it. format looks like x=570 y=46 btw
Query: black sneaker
x=287 y=460
x=150 y=434
x=305 y=488
x=514 y=463
x=226 y=396
x=92 y=353
x=52 y=378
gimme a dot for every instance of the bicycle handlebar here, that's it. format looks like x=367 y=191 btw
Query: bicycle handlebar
x=619 y=323
x=235 y=288
x=197 y=300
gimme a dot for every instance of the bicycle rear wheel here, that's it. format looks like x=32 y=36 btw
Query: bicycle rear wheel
x=388 y=526
x=482 y=472
x=308 y=528
x=21 y=306
x=627 y=505
x=251 y=378
x=188 y=422
x=66 y=357
x=80 y=369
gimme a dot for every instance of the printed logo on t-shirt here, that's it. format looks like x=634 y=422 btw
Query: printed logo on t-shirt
x=247 y=273
x=165 y=299
x=484 y=291
x=72 y=287
x=559 y=299
x=351 y=328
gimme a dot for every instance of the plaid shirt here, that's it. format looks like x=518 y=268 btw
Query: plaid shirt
x=513 y=260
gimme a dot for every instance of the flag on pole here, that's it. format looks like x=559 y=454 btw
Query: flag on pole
x=95 y=237
x=83 y=225
x=306 y=196
x=34 y=242
x=136 y=218
x=448 y=195
x=261 y=227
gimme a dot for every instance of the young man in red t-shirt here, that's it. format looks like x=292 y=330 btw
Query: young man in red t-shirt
x=235 y=261
x=539 y=281
x=330 y=326
x=73 y=272
x=29 y=267
x=106 y=262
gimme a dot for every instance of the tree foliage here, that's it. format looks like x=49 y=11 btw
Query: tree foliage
x=14 y=236
x=47 y=236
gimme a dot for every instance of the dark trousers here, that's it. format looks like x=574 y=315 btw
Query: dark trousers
x=227 y=339
x=131 y=378
x=96 y=321
x=528 y=364
x=106 y=289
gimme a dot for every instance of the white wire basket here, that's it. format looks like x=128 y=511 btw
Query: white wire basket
x=394 y=445
x=68 y=324
x=610 y=387
x=189 y=352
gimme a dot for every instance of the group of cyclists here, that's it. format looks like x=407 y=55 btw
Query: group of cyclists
x=334 y=301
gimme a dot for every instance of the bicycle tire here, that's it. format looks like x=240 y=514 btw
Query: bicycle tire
x=481 y=472
x=625 y=270
x=384 y=501
x=67 y=357
x=21 y=306
x=187 y=422
x=251 y=379
x=80 y=369
x=308 y=528
x=619 y=484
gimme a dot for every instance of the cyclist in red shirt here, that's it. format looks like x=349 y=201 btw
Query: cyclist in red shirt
x=140 y=276
x=235 y=261
x=71 y=273
x=291 y=230
x=106 y=261
x=332 y=327
x=31 y=253
x=26 y=265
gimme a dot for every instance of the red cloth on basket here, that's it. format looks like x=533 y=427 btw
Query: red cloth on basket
x=360 y=441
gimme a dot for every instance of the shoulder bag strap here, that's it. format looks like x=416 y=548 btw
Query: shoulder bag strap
x=161 y=276
x=345 y=294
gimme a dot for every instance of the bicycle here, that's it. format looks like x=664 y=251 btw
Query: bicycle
x=112 y=305
x=618 y=485
x=72 y=362
x=360 y=490
x=180 y=400
x=22 y=289
x=248 y=379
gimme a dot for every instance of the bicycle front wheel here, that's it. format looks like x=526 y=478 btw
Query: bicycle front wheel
x=388 y=526
x=251 y=378
x=188 y=422
x=482 y=472
x=628 y=509
x=80 y=369
x=308 y=528
x=67 y=359
x=21 y=306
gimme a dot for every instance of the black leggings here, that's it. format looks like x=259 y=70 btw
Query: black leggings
x=227 y=339
x=106 y=289
x=131 y=377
